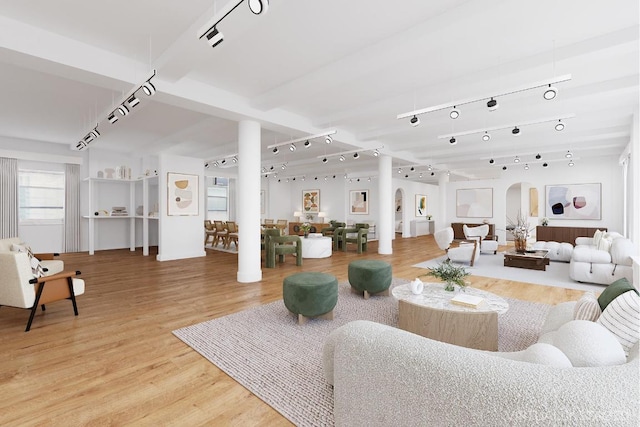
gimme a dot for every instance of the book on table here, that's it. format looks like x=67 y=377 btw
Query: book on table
x=467 y=300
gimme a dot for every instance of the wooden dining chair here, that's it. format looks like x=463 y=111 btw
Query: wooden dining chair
x=209 y=232
x=232 y=236
x=221 y=233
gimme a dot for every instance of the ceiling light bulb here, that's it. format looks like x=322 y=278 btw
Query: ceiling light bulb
x=571 y=163
x=148 y=88
x=515 y=131
x=325 y=160
x=486 y=136
x=275 y=150
x=133 y=101
x=454 y=113
x=292 y=147
x=568 y=155
x=538 y=156
x=453 y=141
x=550 y=93
x=559 y=126
x=307 y=144
x=112 y=118
x=258 y=6
x=492 y=105
x=341 y=158
x=415 y=121
x=356 y=156
x=328 y=139
x=516 y=160
x=526 y=167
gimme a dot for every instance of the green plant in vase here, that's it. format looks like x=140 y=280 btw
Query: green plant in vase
x=449 y=273
x=305 y=227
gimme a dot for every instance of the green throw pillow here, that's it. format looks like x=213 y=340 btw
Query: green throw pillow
x=614 y=290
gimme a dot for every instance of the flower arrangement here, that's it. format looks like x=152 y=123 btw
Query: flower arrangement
x=305 y=227
x=450 y=273
x=521 y=232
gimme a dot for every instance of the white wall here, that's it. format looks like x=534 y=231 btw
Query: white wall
x=410 y=189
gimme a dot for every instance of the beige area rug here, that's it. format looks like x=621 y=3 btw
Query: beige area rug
x=266 y=351
x=232 y=249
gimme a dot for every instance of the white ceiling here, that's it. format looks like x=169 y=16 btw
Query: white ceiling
x=307 y=66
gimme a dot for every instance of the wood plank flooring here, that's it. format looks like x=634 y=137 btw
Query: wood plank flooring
x=117 y=363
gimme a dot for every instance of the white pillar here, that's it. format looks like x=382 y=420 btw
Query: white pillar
x=248 y=202
x=440 y=220
x=385 y=209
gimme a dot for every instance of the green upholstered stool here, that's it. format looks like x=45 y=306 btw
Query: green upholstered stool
x=370 y=277
x=310 y=294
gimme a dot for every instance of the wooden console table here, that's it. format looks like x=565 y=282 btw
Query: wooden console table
x=316 y=227
x=564 y=234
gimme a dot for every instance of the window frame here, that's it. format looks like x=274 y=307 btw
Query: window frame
x=41 y=221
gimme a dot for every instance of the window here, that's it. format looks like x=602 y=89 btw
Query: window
x=217 y=198
x=40 y=196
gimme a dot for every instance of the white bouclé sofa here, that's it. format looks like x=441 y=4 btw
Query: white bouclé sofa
x=602 y=263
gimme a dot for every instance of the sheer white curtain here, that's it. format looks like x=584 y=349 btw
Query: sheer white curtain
x=8 y=197
x=71 y=208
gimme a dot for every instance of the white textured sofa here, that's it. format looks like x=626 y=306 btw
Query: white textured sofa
x=600 y=263
x=557 y=251
x=385 y=376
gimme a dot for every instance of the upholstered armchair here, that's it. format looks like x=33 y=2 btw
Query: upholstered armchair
x=464 y=252
x=20 y=288
x=275 y=244
x=357 y=235
x=479 y=234
x=331 y=231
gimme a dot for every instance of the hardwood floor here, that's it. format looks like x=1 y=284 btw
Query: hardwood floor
x=117 y=363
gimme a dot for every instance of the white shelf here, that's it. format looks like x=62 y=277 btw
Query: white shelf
x=107 y=217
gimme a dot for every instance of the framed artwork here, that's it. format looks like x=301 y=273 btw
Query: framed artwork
x=421 y=205
x=474 y=203
x=533 y=201
x=263 y=201
x=182 y=194
x=574 y=201
x=399 y=205
x=359 y=202
x=310 y=201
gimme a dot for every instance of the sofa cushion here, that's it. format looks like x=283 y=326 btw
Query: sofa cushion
x=587 y=308
x=622 y=319
x=597 y=236
x=587 y=344
x=590 y=254
x=612 y=292
x=621 y=252
x=604 y=244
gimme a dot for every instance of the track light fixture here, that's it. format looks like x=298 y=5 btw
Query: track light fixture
x=234 y=159
x=284 y=166
x=545 y=164
x=559 y=126
x=504 y=168
x=486 y=132
x=275 y=150
x=568 y=155
x=112 y=118
x=453 y=141
x=491 y=161
x=271 y=168
x=571 y=163
x=550 y=93
x=292 y=147
x=328 y=139
x=516 y=131
x=376 y=153
x=123 y=110
x=214 y=37
x=307 y=144
x=415 y=121
x=454 y=113
x=356 y=155
x=492 y=105
x=325 y=160
x=399 y=170
x=526 y=167
x=516 y=160
x=341 y=158
x=215 y=163
x=429 y=168
x=264 y=169
x=306 y=140
x=420 y=174
x=223 y=162
x=538 y=156
x=412 y=169
x=148 y=88
x=406 y=176
x=258 y=6
x=486 y=136
x=133 y=101
x=433 y=173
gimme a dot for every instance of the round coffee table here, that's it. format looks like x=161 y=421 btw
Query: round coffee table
x=432 y=315
x=316 y=247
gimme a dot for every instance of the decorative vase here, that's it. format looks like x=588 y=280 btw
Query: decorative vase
x=416 y=286
x=306 y=234
x=521 y=245
x=449 y=287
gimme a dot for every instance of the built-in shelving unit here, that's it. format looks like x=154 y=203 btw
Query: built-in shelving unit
x=125 y=196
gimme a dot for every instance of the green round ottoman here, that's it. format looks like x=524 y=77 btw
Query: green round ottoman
x=310 y=294
x=370 y=277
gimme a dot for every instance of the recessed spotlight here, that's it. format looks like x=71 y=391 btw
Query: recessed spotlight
x=275 y=150
x=492 y=105
x=453 y=141
x=334 y=177
x=550 y=93
x=538 y=156
x=307 y=144
x=325 y=160
x=454 y=113
x=486 y=136
x=415 y=121
x=559 y=126
x=568 y=155
x=345 y=176
x=292 y=147
x=515 y=131
x=516 y=160
x=526 y=167
x=571 y=163
x=328 y=139
x=491 y=161
x=341 y=158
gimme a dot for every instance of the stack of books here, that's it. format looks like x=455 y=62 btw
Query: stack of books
x=467 y=300
x=119 y=211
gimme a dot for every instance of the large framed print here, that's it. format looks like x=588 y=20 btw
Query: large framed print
x=311 y=201
x=474 y=203
x=182 y=194
x=574 y=201
x=359 y=202
x=421 y=205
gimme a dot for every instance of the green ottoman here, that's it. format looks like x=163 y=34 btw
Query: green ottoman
x=310 y=294
x=370 y=277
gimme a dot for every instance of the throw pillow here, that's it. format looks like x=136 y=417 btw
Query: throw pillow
x=622 y=319
x=612 y=292
x=596 y=237
x=588 y=344
x=604 y=244
x=36 y=268
x=587 y=308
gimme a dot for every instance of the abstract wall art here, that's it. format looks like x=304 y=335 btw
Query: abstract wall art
x=310 y=201
x=359 y=202
x=421 y=205
x=474 y=203
x=182 y=194
x=574 y=201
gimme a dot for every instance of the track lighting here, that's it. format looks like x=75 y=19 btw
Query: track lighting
x=325 y=160
x=571 y=163
x=80 y=145
x=516 y=131
x=271 y=168
x=214 y=37
x=448 y=173
x=133 y=101
x=491 y=161
x=369 y=179
x=95 y=132
x=341 y=158
x=406 y=176
x=307 y=144
x=264 y=170
x=284 y=166
x=326 y=178
x=258 y=6
x=292 y=147
x=412 y=169
x=550 y=93
x=486 y=136
x=123 y=110
x=433 y=173
x=568 y=155
x=376 y=153
x=516 y=160
x=275 y=150
x=356 y=155
x=559 y=126
x=492 y=105
x=526 y=167
x=304 y=177
x=545 y=164
x=504 y=168
x=453 y=141
x=420 y=175
x=328 y=139
x=148 y=88
x=112 y=118
x=454 y=113
x=345 y=176
x=538 y=156
x=429 y=167
x=399 y=170
x=415 y=121
x=316 y=178
x=215 y=163
x=223 y=162
x=234 y=159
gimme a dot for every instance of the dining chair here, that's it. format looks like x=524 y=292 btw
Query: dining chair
x=221 y=233
x=209 y=232
x=232 y=236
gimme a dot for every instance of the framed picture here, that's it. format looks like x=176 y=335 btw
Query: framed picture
x=182 y=194
x=474 y=203
x=310 y=201
x=574 y=201
x=421 y=205
x=399 y=205
x=359 y=202
x=263 y=201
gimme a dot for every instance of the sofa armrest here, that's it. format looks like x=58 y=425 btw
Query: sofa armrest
x=584 y=241
x=386 y=376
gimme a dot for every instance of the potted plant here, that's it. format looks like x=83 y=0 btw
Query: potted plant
x=521 y=232
x=450 y=273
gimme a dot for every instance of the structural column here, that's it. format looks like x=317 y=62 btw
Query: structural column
x=385 y=209
x=248 y=192
x=443 y=181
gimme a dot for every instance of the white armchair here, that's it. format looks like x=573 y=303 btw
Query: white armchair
x=479 y=234
x=464 y=252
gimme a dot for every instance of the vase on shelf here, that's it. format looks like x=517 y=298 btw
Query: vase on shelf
x=521 y=245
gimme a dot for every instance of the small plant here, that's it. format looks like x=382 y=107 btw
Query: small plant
x=544 y=221
x=305 y=227
x=450 y=273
